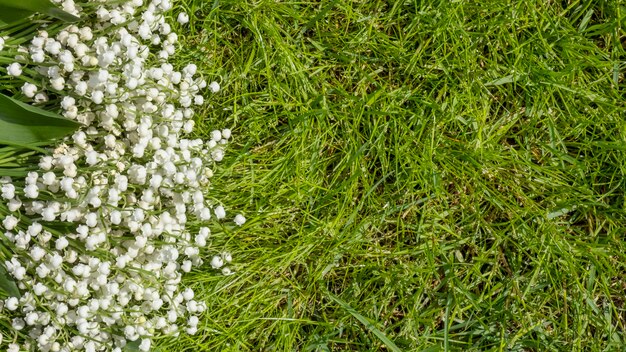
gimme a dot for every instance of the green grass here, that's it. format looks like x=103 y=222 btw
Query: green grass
x=419 y=175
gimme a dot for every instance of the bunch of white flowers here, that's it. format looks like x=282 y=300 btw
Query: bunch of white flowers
x=103 y=232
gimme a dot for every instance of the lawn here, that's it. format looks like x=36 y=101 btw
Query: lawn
x=416 y=175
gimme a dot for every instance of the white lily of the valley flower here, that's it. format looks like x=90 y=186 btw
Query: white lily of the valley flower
x=14 y=69
x=130 y=183
x=183 y=18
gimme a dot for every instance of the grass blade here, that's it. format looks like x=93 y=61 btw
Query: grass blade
x=381 y=336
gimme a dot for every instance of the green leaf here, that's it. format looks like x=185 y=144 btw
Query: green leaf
x=503 y=80
x=7 y=285
x=132 y=346
x=14 y=10
x=14 y=171
x=10 y=14
x=22 y=124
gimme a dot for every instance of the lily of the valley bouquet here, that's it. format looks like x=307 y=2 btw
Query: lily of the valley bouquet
x=98 y=237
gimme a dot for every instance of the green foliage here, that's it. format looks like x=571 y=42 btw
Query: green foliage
x=15 y=10
x=8 y=288
x=132 y=346
x=452 y=170
x=17 y=161
x=383 y=338
x=22 y=124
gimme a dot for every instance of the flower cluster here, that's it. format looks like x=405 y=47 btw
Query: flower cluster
x=103 y=232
